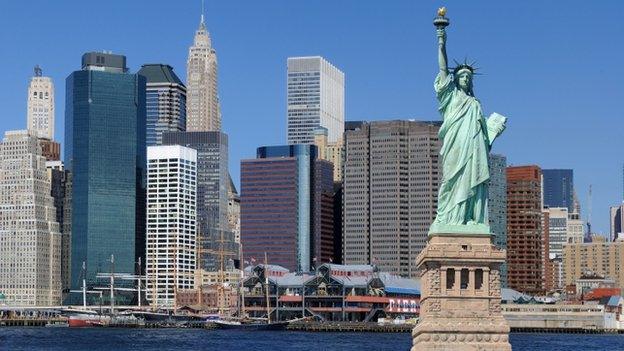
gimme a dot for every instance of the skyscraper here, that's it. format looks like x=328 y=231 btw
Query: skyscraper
x=315 y=99
x=203 y=111
x=616 y=221
x=390 y=192
x=525 y=262
x=106 y=155
x=559 y=188
x=234 y=211
x=59 y=182
x=41 y=105
x=332 y=152
x=171 y=222
x=30 y=242
x=165 y=102
x=287 y=207
x=212 y=194
x=497 y=205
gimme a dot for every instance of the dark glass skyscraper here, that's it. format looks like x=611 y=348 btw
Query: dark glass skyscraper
x=165 y=102
x=106 y=154
x=212 y=194
x=559 y=188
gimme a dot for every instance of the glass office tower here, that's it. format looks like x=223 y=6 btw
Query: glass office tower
x=165 y=102
x=106 y=155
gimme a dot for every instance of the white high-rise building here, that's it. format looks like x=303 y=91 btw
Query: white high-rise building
x=315 y=99
x=171 y=222
x=203 y=112
x=30 y=241
x=41 y=106
x=557 y=230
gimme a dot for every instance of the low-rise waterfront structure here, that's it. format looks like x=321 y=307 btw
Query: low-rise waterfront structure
x=356 y=293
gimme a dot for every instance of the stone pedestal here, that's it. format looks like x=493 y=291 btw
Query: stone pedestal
x=460 y=306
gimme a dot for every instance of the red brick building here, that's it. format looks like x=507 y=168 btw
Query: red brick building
x=525 y=237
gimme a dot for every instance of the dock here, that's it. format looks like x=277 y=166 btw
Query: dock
x=353 y=327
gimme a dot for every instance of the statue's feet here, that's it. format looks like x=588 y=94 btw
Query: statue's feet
x=471 y=223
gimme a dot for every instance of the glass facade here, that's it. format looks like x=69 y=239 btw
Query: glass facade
x=165 y=102
x=287 y=206
x=559 y=188
x=106 y=155
x=212 y=194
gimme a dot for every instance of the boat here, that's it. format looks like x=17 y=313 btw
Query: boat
x=251 y=325
x=87 y=320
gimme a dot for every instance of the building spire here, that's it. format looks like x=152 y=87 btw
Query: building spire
x=202 y=23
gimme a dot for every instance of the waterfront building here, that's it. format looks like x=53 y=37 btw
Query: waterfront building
x=30 y=239
x=332 y=152
x=315 y=99
x=59 y=183
x=203 y=111
x=355 y=293
x=212 y=195
x=616 y=221
x=287 y=207
x=390 y=191
x=525 y=246
x=106 y=155
x=559 y=188
x=41 y=105
x=171 y=222
x=165 y=105
x=497 y=206
x=599 y=256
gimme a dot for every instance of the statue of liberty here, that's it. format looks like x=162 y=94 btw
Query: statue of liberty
x=466 y=141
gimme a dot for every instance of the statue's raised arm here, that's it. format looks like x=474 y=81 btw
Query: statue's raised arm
x=441 y=22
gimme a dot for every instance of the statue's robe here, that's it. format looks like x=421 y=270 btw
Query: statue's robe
x=463 y=193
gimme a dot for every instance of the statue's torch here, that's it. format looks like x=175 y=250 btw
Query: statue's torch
x=440 y=21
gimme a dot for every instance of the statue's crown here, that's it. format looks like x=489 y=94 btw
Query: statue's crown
x=465 y=67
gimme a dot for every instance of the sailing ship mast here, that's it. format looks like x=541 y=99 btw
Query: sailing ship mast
x=266 y=289
x=241 y=312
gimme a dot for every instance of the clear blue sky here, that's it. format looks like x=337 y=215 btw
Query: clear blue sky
x=554 y=68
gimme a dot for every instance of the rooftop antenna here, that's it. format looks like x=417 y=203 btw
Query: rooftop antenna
x=202 y=12
x=589 y=213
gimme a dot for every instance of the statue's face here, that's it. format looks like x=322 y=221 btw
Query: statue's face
x=464 y=81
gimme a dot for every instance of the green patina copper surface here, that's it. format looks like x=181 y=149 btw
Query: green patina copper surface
x=466 y=137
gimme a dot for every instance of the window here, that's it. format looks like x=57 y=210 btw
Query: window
x=464 y=279
x=450 y=278
x=479 y=279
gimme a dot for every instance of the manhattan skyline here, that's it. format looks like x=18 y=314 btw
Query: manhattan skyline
x=556 y=79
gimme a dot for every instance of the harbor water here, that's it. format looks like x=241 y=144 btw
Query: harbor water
x=96 y=339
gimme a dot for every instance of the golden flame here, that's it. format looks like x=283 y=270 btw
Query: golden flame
x=442 y=11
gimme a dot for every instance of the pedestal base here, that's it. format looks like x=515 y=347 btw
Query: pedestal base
x=460 y=295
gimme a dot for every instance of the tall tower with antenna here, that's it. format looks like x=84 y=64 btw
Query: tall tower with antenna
x=203 y=112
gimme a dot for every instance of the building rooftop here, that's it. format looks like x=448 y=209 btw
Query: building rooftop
x=159 y=73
